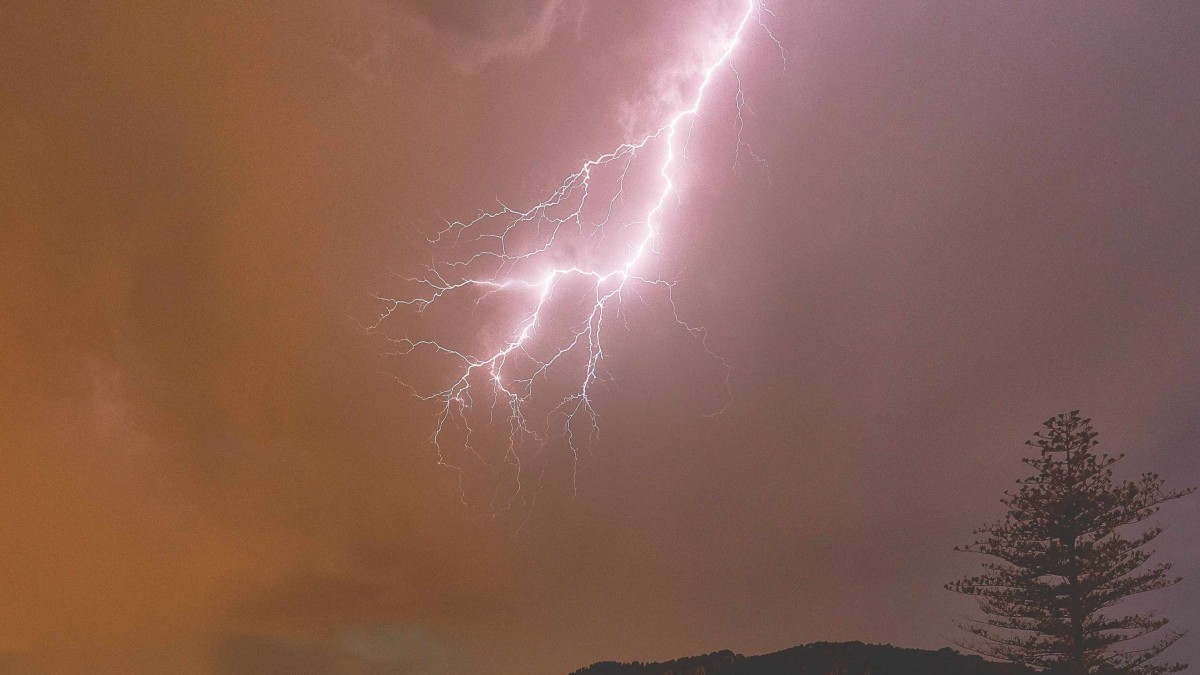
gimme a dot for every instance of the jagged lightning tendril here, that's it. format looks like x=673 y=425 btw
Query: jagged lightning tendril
x=505 y=253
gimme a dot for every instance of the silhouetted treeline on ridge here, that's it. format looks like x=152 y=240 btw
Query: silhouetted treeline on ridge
x=819 y=658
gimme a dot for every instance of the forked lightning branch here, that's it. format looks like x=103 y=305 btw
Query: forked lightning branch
x=544 y=285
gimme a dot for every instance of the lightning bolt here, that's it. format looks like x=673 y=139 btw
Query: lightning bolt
x=550 y=269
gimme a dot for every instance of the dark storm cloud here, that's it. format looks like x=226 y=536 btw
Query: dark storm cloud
x=477 y=32
x=975 y=217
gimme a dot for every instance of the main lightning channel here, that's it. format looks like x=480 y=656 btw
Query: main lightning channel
x=512 y=370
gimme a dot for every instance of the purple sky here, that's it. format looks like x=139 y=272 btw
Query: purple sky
x=975 y=216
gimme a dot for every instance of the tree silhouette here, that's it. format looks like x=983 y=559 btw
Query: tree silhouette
x=1063 y=562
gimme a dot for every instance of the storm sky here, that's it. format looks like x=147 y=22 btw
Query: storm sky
x=974 y=216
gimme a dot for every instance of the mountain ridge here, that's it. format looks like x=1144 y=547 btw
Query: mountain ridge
x=818 y=658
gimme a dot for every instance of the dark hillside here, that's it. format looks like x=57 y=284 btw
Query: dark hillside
x=820 y=658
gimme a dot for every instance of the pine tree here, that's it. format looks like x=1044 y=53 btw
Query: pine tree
x=1063 y=562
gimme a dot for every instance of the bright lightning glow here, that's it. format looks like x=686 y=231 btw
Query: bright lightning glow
x=556 y=298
